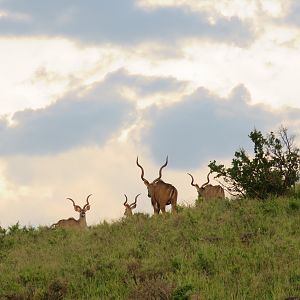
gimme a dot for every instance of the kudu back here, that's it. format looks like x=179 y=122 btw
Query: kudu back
x=160 y=192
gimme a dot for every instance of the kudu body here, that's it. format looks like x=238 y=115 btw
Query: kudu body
x=71 y=222
x=208 y=191
x=129 y=207
x=160 y=192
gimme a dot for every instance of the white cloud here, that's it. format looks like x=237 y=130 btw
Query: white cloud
x=71 y=122
x=4 y=14
x=37 y=71
x=111 y=107
x=263 y=67
x=243 y=9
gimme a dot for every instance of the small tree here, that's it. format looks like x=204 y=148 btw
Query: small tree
x=273 y=170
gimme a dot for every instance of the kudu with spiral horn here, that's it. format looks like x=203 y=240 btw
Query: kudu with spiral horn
x=160 y=192
x=208 y=191
x=129 y=207
x=73 y=223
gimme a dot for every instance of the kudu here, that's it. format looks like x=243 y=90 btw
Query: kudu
x=71 y=222
x=129 y=207
x=208 y=191
x=161 y=193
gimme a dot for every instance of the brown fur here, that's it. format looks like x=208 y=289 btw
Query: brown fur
x=161 y=193
x=71 y=222
x=208 y=191
x=211 y=192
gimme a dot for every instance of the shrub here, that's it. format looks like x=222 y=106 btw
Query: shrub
x=273 y=170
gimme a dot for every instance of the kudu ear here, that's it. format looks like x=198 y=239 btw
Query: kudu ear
x=87 y=208
x=133 y=206
x=77 y=208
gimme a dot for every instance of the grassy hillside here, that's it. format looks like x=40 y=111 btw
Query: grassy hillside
x=217 y=250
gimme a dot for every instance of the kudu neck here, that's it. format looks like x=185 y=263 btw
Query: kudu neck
x=82 y=220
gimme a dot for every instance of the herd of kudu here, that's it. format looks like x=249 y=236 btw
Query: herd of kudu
x=160 y=192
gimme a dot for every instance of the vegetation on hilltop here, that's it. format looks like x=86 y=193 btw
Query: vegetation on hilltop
x=215 y=250
x=273 y=170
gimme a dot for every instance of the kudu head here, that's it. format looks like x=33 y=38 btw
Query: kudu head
x=201 y=189
x=129 y=207
x=83 y=210
x=151 y=186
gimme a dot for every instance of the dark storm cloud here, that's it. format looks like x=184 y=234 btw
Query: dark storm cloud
x=205 y=127
x=118 y=21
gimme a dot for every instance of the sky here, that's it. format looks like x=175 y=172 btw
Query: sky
x=86 y=86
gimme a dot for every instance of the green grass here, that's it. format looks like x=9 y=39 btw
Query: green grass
x=244 y=249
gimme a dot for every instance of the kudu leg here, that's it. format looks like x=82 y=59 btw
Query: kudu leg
x=163 y=209
x=156 y=208
x=174 y=202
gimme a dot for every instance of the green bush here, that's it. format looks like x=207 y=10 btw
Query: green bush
x=273 y=170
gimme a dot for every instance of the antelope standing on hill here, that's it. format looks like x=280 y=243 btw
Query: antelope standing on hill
x=129 y=207
x=73 y=223
x=161 y=193
x=208 y=191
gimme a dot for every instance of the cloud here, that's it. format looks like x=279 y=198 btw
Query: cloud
x=144 y=85
x=122 y=22
x=293 y=15
x=68 y=123
x=84 y=118
x=204 y=127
